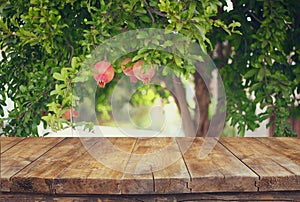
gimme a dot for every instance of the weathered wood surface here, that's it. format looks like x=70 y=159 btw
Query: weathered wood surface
x=276 y=168
x=83 y=175
x=62 y=168
x=21 y=155
x=219 y=171
x=7 y=143
x=40 y=175
x=190 y=197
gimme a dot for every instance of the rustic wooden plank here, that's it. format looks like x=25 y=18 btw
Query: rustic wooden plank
x=252 y=196
x=68 y=168
x=21 y=155
x=276 y=170
x=173 y=176
x=39 y=176
x=289 y=147
x=219 y=171
x=8 y=142
x=96 y=172
x=115 y=158
x=155 y=166
x=138 y=176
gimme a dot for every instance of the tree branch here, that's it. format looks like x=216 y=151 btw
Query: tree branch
x=187 y=122
x=186 y=6
x=72 y=51
x=256 y=18
x=149 y=11
x=158 y=12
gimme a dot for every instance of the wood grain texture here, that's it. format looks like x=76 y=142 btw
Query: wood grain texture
x=290 y=147
x=95 y=172
x=19 y=156
x=8 y=142
x=172 y=176
x=39 y=176
x=155 y=166
x=138 y=177
x=220 y=171
x=150 y=169
x=235 y=196
x=277 y=167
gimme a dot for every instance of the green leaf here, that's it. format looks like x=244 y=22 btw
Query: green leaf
x=167 y=44
x=192 y=9
x=43 y=20
x=137 y=57
x=58 y=76
x=74 y=62
x=22 y=88
x=255 y=86
x=250 y=73
x=146 y=19
x=142 y=35
x=261 y=74
x=200 y=30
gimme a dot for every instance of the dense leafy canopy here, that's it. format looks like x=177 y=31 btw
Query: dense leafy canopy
x=265 y=64
x=255 y=45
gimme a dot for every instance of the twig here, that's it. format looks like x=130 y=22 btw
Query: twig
x=149 y=11
x=256 y=18
x=72 y=51
x=157 y=12
x=186 y=6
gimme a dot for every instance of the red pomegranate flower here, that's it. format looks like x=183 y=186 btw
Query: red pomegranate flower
x=136 y=72
x=128 y=70
x=105 y=73
x=70 y=113
x=139 y=72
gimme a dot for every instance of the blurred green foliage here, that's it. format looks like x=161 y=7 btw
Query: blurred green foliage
x=45 y=42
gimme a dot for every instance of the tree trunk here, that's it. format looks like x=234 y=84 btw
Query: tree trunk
x=187 y=121
x=200 y=123
x=203 y=100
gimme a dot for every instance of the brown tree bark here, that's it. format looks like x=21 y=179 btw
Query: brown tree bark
x=221 y=52
x=203 y=101
x=187 y=121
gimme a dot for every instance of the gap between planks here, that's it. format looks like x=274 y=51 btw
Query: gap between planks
x=277 y=163
x=8 y=142
x=22 y=159
x=38 y=157
x=158 y=184
x=257 y=182
x=155 y=166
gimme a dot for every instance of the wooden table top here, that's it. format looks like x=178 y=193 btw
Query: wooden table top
x=66 y=166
